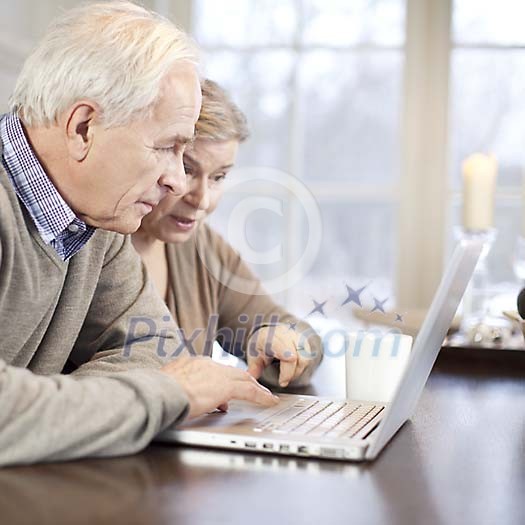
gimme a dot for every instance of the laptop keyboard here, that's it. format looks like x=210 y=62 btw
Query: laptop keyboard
x=320 y=418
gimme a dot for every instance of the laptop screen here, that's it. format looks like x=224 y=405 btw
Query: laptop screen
x=429 y=340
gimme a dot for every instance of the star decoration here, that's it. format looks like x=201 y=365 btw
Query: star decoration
x=399 y=318
x=292 y=326
x=354 y=295
x=379 y=305
x=318 y=308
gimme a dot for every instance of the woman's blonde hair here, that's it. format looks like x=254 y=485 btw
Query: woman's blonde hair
x=112 y=53
x=220 y=119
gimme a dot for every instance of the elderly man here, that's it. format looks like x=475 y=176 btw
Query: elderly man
x=100 y=116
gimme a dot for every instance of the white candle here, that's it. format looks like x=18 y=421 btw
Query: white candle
x=479 y=185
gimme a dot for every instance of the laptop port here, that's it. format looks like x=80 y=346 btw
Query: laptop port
x=284 y=448
x=268 y=446
x=331 y=452
x=302 y=450
x=250 y=444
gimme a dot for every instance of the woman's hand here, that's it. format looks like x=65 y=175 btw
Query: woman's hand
x=282 y=343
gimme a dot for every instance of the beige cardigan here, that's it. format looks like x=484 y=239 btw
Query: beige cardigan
x=213 y=293
x=98 y=301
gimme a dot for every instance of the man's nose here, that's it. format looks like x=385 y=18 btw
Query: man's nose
x=173 y=178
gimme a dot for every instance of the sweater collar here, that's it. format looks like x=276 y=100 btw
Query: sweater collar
x=54 y=219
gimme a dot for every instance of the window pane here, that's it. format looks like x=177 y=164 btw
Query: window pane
x=324 y=114
x=344 y=23
x=487 y=115
x=258 y=231
x=262 y=215
x=358 y=248
x=488 y=111
x=263 y=97
x=489 y=21
x=351 y=115
x=242 y=23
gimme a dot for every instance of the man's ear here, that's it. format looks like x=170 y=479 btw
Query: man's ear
x=80 y=126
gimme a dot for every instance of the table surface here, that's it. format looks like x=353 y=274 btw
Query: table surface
x=461 y=459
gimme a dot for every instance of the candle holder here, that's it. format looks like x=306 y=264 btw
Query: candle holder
x=478 y=325
x=519 y=260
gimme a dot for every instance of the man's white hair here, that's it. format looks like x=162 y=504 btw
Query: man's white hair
x=112 y=53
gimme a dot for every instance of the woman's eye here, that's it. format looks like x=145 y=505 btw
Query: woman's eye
x=219 y=178
x=169 y=149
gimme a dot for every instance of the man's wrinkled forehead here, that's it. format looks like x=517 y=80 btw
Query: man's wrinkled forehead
x=178 y=105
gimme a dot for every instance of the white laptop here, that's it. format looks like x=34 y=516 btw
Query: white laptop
x=343 y=429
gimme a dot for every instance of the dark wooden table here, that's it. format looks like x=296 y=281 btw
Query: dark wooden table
x=460 y=460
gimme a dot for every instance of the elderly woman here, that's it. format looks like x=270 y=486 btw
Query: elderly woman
x=209 y=290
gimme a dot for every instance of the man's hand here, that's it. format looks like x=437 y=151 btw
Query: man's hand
x=210 y=385
x=282 y=343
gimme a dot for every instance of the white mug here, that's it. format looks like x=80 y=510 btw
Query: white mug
x=375 y=363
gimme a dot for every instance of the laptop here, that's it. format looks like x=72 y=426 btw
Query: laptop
x=341 y=429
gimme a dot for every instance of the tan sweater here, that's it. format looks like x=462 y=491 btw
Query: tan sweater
x=48 y=308
x=211 y=291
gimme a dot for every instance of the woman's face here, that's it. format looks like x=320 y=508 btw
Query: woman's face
x=206 y=163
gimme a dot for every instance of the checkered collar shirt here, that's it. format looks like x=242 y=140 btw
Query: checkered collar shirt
x=54 y=219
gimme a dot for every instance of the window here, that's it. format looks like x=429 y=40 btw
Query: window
x=487 y=114
x=321 y=84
